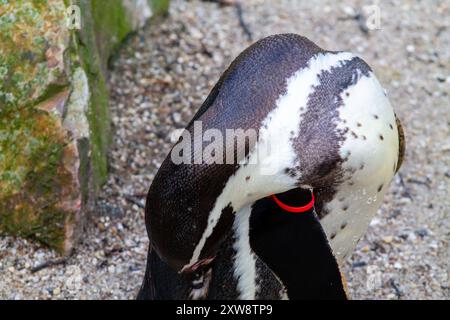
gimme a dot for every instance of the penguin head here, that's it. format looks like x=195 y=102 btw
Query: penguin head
x=177 y=209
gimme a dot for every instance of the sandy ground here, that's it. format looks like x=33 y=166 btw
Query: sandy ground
x=164 y=73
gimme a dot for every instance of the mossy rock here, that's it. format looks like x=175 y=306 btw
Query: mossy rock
x=54 y=117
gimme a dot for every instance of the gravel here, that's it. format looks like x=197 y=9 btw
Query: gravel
x=165 y=72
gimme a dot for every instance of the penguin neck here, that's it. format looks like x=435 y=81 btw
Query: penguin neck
x=294 y=246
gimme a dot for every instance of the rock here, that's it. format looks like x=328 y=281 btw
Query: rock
x=176 y=117
x=422 y=232
x=54 y=117
x=441 y=78
x=410 y=48
x=388 y=239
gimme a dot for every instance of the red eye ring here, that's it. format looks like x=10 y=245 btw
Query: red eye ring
x=300 y=209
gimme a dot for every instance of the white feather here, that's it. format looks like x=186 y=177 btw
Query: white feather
x=244 y=260
x=367 y=105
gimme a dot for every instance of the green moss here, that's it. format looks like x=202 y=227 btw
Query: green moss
x=110 y=29
x=31 y=143
x=27 y=30
x=100 y=127
x=45 y=226
x=31 y=176
x=85 y=43
x=83 y=150
x=159 y=7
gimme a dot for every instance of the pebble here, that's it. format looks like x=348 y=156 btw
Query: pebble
x=421 y=232
x=410 y=48
x=176 y=117
x=388 y=239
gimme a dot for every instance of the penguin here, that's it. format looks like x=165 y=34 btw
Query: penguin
x=278 y=220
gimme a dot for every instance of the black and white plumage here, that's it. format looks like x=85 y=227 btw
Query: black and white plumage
x=331 y=129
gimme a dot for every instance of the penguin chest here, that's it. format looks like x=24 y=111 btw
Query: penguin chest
x=370 y=153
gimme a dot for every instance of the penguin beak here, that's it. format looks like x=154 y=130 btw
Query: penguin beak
x=401 y=143
x=200 y=264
